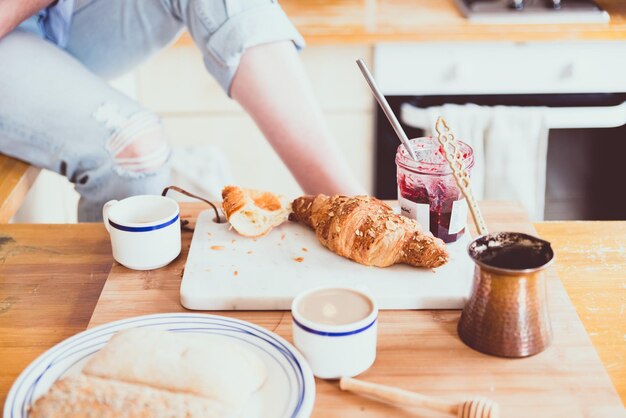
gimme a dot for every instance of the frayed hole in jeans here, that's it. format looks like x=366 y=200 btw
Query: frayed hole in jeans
x=138 y=144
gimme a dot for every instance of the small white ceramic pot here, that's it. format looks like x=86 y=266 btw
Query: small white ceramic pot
x=335 y=351
x=144 y=230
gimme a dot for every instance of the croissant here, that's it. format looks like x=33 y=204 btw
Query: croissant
x=253 y=213
x=368 y=231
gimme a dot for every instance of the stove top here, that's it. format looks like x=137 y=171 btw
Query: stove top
x=532 y=11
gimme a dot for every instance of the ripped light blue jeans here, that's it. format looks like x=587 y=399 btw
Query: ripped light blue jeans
x=58 y=112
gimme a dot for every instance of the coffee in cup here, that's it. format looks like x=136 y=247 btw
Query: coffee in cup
x=335 y=328
x=335 y=306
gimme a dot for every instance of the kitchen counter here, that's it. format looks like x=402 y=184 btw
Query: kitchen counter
x=374 y=21
x=51 y=277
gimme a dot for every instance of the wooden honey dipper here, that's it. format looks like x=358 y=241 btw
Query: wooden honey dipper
x=472 y=408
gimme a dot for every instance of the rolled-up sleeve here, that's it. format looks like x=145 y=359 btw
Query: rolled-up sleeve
x=223 y=30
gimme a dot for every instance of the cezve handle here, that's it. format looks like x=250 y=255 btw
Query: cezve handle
x=475 y=408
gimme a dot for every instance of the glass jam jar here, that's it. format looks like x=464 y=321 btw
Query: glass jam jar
x=427 y=190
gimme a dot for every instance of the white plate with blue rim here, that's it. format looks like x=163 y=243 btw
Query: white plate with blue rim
x=289 y=390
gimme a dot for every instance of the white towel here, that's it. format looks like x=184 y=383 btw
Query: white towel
x=516 y=149
x=510 y=150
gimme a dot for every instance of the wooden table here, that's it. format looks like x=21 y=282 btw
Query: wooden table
x=51 y=277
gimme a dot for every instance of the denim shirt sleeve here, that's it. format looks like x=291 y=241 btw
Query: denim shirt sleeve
x=54 y=21
x=225 y=29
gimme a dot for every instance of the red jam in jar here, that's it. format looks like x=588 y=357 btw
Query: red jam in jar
x=427 y=190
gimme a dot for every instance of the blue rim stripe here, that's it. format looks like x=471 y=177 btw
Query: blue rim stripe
x=333 y=334
x=143 y=228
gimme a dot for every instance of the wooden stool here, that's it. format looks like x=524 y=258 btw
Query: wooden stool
x=16 y=179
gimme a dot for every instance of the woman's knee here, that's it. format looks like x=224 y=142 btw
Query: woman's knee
x=132 y=160
x=138 y=145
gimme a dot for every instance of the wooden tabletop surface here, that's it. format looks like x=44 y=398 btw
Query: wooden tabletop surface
x=373 y=21
x=52 y=275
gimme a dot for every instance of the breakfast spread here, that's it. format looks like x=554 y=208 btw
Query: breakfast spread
x=200 y=375
x=253 y=213
x=197 y=372
x=368 y=231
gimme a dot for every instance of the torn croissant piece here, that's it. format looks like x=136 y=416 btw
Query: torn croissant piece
x=368 y=231
x=253 y=213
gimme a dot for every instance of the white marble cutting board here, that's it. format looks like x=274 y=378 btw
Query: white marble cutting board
x=226 y=271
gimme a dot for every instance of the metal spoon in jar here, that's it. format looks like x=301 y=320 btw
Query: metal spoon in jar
x=386 y=108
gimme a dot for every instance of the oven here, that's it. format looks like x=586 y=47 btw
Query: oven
x=532 y=11
x=580 y=85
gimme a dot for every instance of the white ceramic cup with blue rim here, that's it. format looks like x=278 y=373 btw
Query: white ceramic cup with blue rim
x=144 y=230
x=335 y=350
